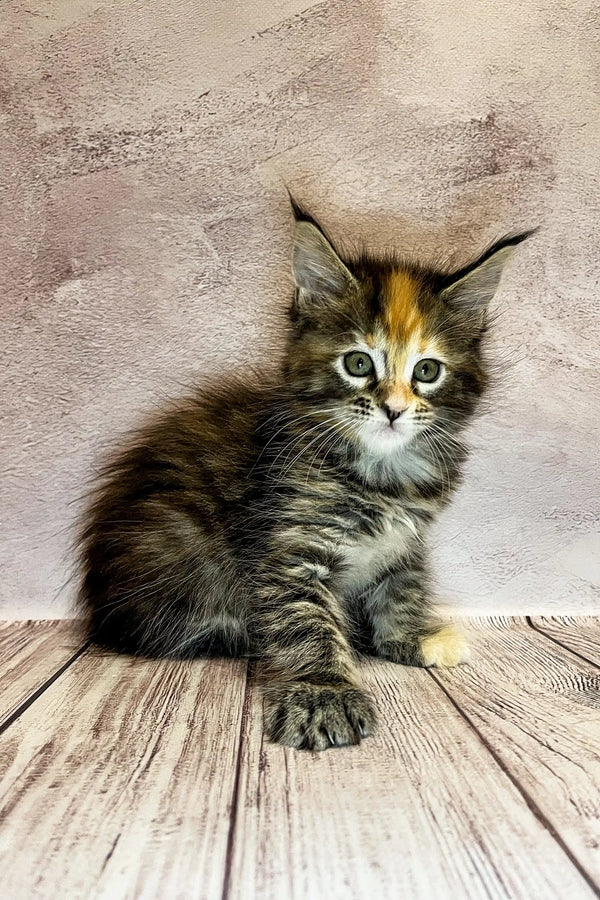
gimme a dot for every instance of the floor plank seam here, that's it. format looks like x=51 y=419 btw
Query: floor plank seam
x=25 y=704
x=531 y=803
x=536 y=628
x=108 y=856
x=236 y=784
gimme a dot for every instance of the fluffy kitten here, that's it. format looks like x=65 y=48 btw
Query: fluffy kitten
x=289 y=520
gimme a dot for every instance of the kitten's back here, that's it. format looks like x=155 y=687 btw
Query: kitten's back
x=160 y=574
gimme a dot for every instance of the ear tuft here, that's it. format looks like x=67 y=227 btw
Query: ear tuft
x=471 y=289
x=300 y=213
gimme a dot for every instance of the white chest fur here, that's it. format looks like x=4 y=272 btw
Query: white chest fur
x=368 y=556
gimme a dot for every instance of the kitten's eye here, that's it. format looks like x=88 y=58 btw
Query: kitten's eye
x=427 y=370
x=358 y=363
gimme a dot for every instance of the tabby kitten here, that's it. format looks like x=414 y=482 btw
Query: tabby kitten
x=289 y=520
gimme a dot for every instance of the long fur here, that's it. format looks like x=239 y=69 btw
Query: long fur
x=253 y=519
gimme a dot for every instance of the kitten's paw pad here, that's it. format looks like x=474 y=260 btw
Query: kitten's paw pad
x=446 y=647
x=317 y=717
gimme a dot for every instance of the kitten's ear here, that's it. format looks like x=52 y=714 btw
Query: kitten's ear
x=319 y=273
x=471 y=289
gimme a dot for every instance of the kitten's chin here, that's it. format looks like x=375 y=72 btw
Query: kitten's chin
x=384 y=440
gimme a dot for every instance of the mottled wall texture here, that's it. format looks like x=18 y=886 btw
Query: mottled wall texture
x=145 y=241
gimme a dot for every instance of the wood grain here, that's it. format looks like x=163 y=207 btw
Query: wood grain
x=581 y=634
x=30 y=654
x=420 y=810
x=118 y=781
x=538 y=708
x=121 y=780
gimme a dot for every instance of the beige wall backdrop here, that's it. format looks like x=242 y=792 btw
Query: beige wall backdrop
x=145 y=241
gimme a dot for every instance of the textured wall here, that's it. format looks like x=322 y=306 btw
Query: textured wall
x=145 y=239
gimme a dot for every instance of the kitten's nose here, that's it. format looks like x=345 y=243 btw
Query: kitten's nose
x=392 y=414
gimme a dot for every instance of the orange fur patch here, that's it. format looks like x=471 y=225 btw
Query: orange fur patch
x=402 y=316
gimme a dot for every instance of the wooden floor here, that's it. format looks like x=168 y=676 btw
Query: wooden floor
x=135 y=778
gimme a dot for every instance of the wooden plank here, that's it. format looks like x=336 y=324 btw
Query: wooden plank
x=118 y=781
x=30 y=654
x=579 y=633
x=419 y=810
x=537 y=705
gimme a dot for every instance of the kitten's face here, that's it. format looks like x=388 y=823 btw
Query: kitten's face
x=389 y=363
x=394 y=374
x=385 y=352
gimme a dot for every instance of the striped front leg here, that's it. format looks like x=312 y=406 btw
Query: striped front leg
x=313 y=700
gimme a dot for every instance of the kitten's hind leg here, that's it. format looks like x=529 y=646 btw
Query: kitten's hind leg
x=405 y=628
x=313 y=700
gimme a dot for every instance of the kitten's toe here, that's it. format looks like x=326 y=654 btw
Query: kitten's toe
x=316 y=717
x=446 y=647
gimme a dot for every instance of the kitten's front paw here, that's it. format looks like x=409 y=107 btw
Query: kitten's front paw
x=318 y=716
x=446 y=647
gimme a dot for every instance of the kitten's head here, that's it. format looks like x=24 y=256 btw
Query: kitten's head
x=388 y=351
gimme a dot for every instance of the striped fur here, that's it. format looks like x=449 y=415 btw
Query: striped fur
x=289 y=520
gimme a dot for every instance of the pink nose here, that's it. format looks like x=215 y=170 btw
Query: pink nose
x=393 y=412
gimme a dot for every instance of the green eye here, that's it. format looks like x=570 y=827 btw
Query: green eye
x=358 y=363
x=427 y=370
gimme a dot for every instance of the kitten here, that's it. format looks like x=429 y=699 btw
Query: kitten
x=288 y=520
